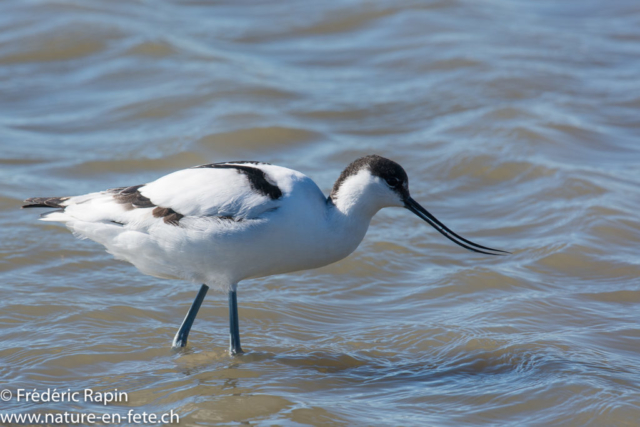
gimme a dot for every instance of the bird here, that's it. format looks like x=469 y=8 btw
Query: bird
x=221 y=223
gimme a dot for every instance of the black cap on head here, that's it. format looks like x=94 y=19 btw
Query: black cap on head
x=388 y=170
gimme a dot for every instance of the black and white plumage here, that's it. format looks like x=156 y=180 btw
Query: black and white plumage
x=221 y=223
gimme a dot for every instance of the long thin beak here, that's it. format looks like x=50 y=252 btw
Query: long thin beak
x=414 y=207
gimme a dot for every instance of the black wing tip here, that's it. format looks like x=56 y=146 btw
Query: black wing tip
x=44 y=202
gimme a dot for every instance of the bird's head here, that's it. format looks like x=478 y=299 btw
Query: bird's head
x=377 y=182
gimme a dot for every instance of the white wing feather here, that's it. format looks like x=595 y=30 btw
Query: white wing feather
x=197 y=192
x=208 y=192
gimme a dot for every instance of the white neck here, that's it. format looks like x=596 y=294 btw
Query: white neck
x=356 y=197
x=350 y=214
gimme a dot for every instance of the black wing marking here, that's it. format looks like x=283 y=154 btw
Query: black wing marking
x=45 y=202
x=242 y=162
x=257 y=178
x=168 y=215
x=131 y=197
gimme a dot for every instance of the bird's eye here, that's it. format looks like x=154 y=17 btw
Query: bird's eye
x=393 y=181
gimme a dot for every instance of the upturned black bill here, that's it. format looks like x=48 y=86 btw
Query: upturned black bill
x=414 y=207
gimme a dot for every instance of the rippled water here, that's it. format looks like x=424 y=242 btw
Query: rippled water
x=517 y=123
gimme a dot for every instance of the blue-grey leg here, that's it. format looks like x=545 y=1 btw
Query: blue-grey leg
x=234 y=326
x=180 y=339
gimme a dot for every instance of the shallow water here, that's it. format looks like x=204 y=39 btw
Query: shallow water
x=516 y=121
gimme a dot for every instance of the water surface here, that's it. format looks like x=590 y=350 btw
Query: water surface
x=517 y=123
